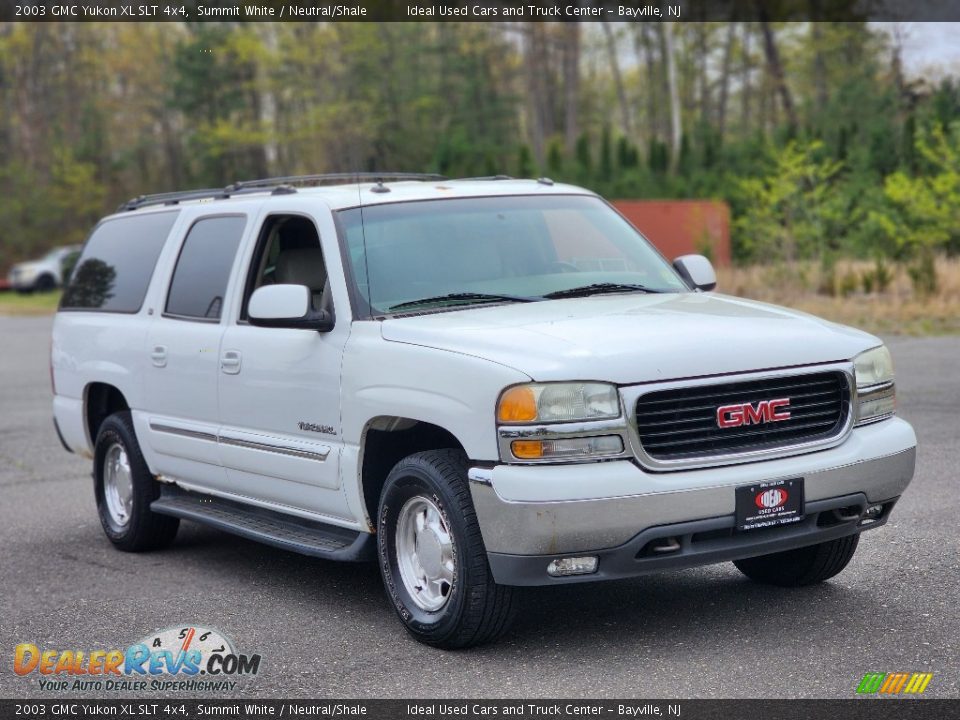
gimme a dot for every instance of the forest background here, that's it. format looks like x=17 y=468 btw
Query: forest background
x=842 y=171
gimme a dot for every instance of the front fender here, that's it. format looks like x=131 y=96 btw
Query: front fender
x=454 y=391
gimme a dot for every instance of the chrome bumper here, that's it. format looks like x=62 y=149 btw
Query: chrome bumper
x=524 y=527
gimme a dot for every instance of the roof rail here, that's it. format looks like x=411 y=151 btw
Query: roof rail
x=332 y=179
x=278 y=185
x=170 y=198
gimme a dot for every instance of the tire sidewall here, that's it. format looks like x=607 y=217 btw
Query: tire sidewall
x=405 y=482
x=113 y=431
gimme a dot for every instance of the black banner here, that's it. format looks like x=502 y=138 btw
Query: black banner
x=476 y=10
x=854 y=709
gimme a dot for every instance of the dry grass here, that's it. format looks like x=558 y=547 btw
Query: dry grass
x=898 y=310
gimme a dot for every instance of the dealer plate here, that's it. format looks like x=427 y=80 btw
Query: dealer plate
x=769 y=504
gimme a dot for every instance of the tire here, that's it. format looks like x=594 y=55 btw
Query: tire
x=803 y=566
x=45 y=283
x=431 y=487
x=133 y=527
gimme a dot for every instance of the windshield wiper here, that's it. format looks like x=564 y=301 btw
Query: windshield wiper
x=464 y=297
x=599 y=289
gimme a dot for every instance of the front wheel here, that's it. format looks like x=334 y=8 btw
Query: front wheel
x=124 y=489
x=432 y=557
x=803 y=566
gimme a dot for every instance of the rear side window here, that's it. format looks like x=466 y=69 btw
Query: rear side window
x=117 y=262
x=203 y=269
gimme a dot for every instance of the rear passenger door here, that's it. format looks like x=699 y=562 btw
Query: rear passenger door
x=183 y=354
x=280 y=436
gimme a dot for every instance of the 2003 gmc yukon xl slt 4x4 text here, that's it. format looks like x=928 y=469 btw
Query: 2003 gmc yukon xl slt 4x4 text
x=482 y=384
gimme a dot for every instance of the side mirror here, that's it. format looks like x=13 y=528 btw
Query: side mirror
x=287 y=306
x=697 y=271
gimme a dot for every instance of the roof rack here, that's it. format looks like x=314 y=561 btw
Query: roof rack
x=277 y=185
x=332 y=179
x=170 y=198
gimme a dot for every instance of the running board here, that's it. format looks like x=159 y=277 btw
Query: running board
x=298 y=535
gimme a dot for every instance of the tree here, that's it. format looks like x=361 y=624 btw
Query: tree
x=676 y=126
x=790 y=211
x=924 y=213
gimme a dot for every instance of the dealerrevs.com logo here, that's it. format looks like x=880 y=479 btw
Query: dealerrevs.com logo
x=183 y=658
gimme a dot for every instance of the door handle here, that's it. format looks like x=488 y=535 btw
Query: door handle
x=230 y=362
x=158 y=356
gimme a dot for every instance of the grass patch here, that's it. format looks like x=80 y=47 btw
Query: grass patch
x=841 y=295
x=13 y=303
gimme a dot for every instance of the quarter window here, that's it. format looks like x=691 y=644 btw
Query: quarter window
x=200 y=279
x=115 y=267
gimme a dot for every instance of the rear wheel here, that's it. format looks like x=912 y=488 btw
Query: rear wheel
x=803 y=566
x=432 y=557
x=124 y=489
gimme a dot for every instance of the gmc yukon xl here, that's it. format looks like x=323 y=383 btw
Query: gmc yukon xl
x=479 y=384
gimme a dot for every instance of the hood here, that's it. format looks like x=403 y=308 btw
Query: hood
x=634 y=338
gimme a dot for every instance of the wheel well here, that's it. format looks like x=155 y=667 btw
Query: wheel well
x=386 y=442
x=102 y=401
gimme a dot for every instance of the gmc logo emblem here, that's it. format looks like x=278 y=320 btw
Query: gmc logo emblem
x=729 y=416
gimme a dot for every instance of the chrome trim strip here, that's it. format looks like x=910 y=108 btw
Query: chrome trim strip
x=183 y=432
x=481 y=476
x=320 y=456
x=564 y=431
x=872 y=392
x=278 y=449
x=633 y=393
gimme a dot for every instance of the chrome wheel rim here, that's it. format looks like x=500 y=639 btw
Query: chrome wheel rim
x=118 y=484
x=425 y=553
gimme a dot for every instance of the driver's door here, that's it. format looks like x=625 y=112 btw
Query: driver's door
x=279 y=388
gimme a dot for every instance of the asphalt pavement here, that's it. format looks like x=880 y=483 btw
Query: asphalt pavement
x=325 y=629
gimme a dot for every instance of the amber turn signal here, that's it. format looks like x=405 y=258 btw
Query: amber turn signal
x=518 y=404
x=527 y=449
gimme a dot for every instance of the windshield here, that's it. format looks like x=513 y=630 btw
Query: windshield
x=458 y=252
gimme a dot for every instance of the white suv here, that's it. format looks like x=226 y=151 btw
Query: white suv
x=482 y=384
x=41 y=275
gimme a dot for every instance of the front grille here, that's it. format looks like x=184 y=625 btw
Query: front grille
x=681 y=424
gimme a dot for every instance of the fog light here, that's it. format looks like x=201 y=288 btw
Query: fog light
x=567 y=448
x=572 y=566
x=873 y=512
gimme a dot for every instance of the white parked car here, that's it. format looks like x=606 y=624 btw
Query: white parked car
x=480 y=384
x=41 y=275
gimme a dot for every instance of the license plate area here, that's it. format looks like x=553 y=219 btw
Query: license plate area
x=769 y=504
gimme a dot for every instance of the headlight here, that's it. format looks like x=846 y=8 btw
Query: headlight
x=558 y=402
x=875 y=387
x=25 y=272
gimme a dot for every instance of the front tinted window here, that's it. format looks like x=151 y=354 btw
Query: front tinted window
x=203 y=268
x=117 y=262
x=515 y=245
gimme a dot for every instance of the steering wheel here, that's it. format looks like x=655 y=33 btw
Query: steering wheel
x=564 y=266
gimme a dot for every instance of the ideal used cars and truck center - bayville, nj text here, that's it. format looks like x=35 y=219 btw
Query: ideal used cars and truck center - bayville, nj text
x=346 y=11
x=478 y=384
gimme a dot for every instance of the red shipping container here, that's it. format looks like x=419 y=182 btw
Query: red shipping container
x=682 y=227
